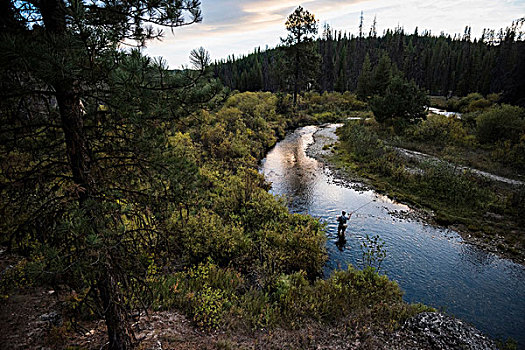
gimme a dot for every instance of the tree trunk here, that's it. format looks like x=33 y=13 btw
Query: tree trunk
x=119 y=334
x=68 y=92
x=296 y=77
x=77 y=148
x=80 y=161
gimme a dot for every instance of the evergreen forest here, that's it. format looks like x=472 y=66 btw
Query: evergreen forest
x=441 y=64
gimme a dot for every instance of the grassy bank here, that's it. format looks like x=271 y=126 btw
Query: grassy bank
x=486 y=211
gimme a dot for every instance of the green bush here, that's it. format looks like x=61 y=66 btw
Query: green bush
x=458 y=189
x=439 y=129
x=345 y=292
x=243 y=129
x=512 y=154
x=464 y=103
x=373 y=252
x=471 y=103
x=478 y=105
x=217 y=297
x=452 y=104
x=334 y=102
x=499 y=123
x=516 y=204
x=205 y=292
x=244 y=226
x=205 y=234
x=361 y=141
x=14 y=278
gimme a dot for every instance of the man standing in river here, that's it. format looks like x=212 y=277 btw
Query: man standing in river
x=341 y=228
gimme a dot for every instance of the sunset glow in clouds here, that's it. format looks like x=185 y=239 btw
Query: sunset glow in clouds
x=239 y=26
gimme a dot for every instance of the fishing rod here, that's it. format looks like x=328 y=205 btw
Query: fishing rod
x=364 y=205
x=342 y=220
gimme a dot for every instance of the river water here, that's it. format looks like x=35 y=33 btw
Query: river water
x=444 y=112
x=432 y=265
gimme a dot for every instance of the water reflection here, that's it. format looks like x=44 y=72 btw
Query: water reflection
x=341 y=242
x=432 y=265
x=294 y=175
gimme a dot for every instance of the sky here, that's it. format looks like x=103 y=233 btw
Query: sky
x=240 y=26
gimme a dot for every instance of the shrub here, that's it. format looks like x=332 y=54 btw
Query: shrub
x=511 y=154
x=453 y=104
x=335 y=102
x=13 y=278
x=440 y=129
x=463 y=104
x=516 y=204
x=503 y=122
x=205 y=292
x=373 y=252
x=493 y=98
x=443 y=183
x=361 y=141
x=478 y=105
x=217 y=297
x=205 y=234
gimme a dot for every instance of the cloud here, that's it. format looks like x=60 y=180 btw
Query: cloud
x=273 y=6
x=233 y=26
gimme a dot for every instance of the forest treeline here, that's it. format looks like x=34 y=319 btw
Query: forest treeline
x=442 y=65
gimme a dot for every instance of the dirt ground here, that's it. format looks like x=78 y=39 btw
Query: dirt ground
x=33 y=318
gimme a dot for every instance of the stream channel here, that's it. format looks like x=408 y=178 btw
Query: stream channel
x=431 y=264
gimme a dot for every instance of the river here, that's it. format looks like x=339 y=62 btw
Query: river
x=432 y=265
x=444 y=112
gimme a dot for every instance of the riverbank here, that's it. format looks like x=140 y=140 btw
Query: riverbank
x=172 y=330
x=33 y=319
x=324 y=149
x=430 y=264
x=488 y=232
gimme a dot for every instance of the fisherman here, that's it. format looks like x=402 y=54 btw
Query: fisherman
x=342 y=223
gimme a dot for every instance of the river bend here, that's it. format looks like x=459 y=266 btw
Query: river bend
x=432 y=265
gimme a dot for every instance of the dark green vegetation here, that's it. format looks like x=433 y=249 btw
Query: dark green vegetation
x=491 y=139
x=489 y=136
x=301 y=59
x=224 y=298
x=197 y=230
x=442 y=64
x=401 y=103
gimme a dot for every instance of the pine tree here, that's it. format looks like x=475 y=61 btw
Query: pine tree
x=327 y=54
x=373 y=28
x=364 y=83
x=92 y=172
x=403 y=103
x=302 y=55
x=381 y=75
x=361 y=26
